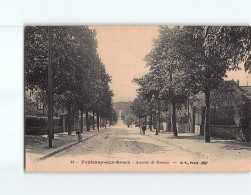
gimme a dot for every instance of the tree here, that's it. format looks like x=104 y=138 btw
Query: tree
x=129 y=119
x=101 y=101
x=142 y=107
x=230 y=42
x=138 y=107
x=79 y=48
x=149 y=92
x=207 y=53
x=165 y=81
x=113 y=118
x=78 y=73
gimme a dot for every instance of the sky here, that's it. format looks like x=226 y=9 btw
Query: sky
x=122 y=50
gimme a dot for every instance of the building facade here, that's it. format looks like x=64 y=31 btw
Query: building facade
x=230 y=113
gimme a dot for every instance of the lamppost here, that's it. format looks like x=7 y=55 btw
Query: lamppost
x=50 y=106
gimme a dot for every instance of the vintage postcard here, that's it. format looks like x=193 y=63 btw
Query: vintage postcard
x=137 y=98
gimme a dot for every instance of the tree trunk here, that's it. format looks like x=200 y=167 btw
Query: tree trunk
x=52 y=130
x=69 y=119
x=188 y=114
x=154 y=121
x=81 y=122
x=174 y=127
x=66 y=123
x=98 y=120
x=151 y=122
x=93 y=121
x=202 y=126
x=159 y=121
x=156 y=124
x=159 y=112
x=168 y=122
x=193 y=119
x=207 y=102
x=145 y=119
x=87 y=121
x=170 y=118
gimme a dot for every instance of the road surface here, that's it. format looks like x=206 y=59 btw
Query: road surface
x=121 y=149
x=122 y=140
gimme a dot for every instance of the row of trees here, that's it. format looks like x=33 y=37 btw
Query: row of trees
x=78 y=77
x=186 y=60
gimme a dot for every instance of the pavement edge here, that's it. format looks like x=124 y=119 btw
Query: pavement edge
x=65 y=147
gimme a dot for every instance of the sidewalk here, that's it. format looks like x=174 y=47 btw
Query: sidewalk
x=37 y=146
x=217 y=149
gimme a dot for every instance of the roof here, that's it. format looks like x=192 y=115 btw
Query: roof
x=244 y=90
x=247 y=91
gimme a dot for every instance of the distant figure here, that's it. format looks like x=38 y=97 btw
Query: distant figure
x=143 y=128
x=79 y=136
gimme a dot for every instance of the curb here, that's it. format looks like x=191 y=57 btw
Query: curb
x=207 y=156
x=65 y=147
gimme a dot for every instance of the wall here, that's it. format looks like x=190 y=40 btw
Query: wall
x=42 y=130
x=197 y=129
x=227 y=132
x=183 y=127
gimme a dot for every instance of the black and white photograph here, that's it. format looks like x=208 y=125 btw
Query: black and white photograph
x=137 y=98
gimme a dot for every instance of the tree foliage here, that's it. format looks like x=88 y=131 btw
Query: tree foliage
x=187 y=59
x=80 y=81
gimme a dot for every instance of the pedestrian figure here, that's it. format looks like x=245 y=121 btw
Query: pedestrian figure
x=79 y=136
x=143 y=128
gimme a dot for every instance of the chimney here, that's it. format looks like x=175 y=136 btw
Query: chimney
x=238 y=82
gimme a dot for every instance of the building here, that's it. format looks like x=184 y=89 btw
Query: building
x=230 y=116
x=36 y=116
x=34 y=107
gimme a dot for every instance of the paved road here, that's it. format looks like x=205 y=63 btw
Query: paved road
x=133 y=151
x=125 y=142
